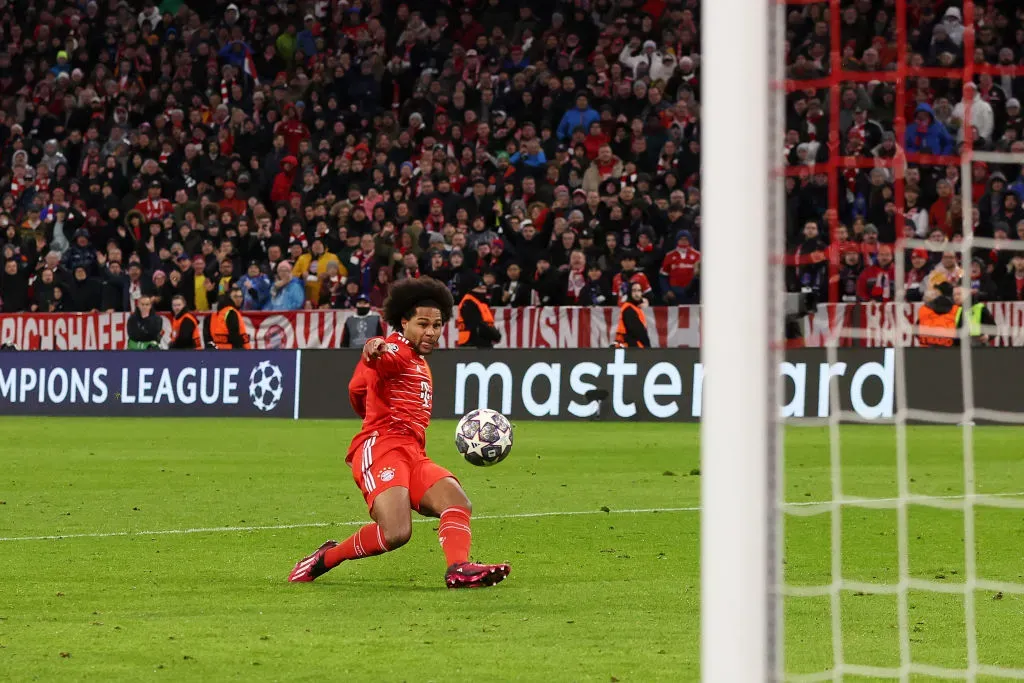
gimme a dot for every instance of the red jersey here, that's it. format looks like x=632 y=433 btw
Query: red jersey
x=621 y=287
x=394 y=393
x=294 y=132
x=154 y=209
x=678 y=266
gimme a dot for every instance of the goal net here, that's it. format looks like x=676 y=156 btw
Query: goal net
x=855 y=545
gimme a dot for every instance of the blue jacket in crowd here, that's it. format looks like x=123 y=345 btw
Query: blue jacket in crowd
x=936 y=140
x=533 y=161
x=291 y=297
x=576 y=117
x=256 y=297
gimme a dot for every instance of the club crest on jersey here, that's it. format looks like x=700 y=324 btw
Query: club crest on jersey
x=387 y=474
x=392 y=348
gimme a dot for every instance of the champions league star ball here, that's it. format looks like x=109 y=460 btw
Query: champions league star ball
x=484 y=437
x=266 y=386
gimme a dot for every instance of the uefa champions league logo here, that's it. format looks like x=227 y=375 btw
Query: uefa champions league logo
x=266 y=386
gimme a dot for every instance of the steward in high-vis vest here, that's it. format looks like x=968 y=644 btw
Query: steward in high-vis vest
x=977 y=317
x=227 y=329
x=937 y=320
x=185 y=330
x=632 y=329
x=476 y=320
x=361 y=327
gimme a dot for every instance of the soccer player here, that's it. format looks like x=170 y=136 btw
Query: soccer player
x=392 y=390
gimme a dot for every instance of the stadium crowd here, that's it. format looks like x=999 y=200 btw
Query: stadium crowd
x=858 y=259
x=315 y=152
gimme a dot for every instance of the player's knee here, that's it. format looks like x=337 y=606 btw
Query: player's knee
x=466 y=503
x=397 y=535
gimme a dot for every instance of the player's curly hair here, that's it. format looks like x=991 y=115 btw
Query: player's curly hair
x=412 y=293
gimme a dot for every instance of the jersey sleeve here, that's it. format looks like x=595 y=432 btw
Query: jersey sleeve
x=358 y=387
x=396 y=359
x=667 y=263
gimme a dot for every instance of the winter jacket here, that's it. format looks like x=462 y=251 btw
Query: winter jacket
x=592 y=178
x=145 y=330
x=258 y=296
x=934 y=140
x=876 y=283
x=982 y=118
x=284 y=181
x=291 y=297
x=79 y=256
x=576 y=118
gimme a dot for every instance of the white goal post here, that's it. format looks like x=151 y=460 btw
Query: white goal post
x=739 y=547
x=741 y=457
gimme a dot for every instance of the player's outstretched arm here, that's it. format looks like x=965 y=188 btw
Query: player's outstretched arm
x=383 y=357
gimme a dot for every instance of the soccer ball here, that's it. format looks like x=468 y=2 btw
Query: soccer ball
x=484 y=437
x=266 y=384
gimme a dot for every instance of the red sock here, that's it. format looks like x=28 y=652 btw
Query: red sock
x=454 y=535
x=366 y=542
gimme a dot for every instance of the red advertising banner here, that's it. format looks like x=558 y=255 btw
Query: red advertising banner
x=535 y=327
x=869 y=325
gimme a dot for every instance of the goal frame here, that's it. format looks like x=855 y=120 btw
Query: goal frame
x=741 y=463
x=740 y=618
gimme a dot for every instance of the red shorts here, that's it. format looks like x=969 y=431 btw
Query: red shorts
x=381 y=462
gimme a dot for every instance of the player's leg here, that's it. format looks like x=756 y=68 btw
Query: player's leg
x=437 y=493
x=390 y=529
x=443 y=494
x=382 y=474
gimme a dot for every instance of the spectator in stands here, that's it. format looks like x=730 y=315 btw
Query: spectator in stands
x=86 y=293
x=81 y=253
x=596 y=291
x=578 y=118
x=48 y=294
x=628 y=275
x=14 y=287
x=948 y=268
x=1013 y=285
x=372 y=133
x=515 y=292
x=287 y=292
x=877 y=281
x=927 y=134
x=545 y=282
x=255 y=286
x=917 y=276
x=983 y=287
x=677 y=270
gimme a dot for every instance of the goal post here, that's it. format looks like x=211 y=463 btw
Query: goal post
x=739 y=617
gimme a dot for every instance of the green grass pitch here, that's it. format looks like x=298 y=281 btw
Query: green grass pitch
x=602 y=595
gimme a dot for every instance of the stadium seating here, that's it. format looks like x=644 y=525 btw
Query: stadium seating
x=183 y=148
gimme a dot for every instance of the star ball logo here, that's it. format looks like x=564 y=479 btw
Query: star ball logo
x=266 y=385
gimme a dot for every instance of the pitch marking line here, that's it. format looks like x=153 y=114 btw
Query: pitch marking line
x=518 y=515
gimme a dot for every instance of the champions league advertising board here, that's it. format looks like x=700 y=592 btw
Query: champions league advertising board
x=544 y=384
x=149 y=383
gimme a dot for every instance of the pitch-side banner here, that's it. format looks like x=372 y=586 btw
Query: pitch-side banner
x=532 y=327
x=150 y=383
x=869 y=325
x=664 y=384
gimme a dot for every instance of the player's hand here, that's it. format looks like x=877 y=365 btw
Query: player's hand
x=373 y=349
